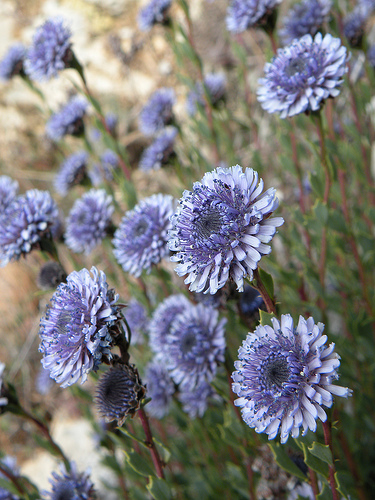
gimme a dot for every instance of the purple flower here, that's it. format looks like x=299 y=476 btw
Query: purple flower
x=88 y=221
x=245 y=14
x=154 y=12
x=284 y=376
x=354 y=24
x=78 y=328
x=12 y=63
x=214 y=83
x=194 y=346
x=43 y=382
x=141 y=239
x=222 y=227
x=159 y=152
x=160 y=389
x=51 y=50
x=109 y=163
x=195 y=401
x=73 y=170
x=68 y=121
x=119 y=393
x=136 y=317
x=371 y=56
x=8 y=191
x=72 y=485
x=25 y=222
x=162 y=319
x=304 y=18
x=157 y=113
x=303 y=75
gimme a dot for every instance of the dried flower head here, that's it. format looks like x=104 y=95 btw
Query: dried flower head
x=160 y=151
x=25 y=222
x=157 y=112
x=12 y=62
x=245 y=14
x=284 y=376
x=119 y=393
x=141 y=239
x=88 y=221
x=73 y=171
x=50 y=51
x=303 y=75
x=72 y=485
x=51 y=274
x=79 y=326
x=155 y=12
x=68 y=120
x=221 y=228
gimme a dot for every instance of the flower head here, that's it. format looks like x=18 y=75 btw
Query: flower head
x=12 y=63
x=250 y=301
x=73 y=170
x=195 y=401
x=119 y=393
x=70 y=485
x=50 y=51
x=8 y=191
x=136 y=317
x=141 y=239
x=51 y=274
x=154 y=12
x=10 y=464
x=245 y=14
x=214 y=83
x=157 y=112
x=79 y=326
x=43 y=381
x=221 y=228
x=284 y=376
x=3 y=399
x=304 y=18
x=162 y=319
x=354 y=24
x=25 y=222
x=68 y=120
x=371 y=56
x=160 y=388
x=159 y=152
x=194 y=346
x=88 y=221
x=303 y=75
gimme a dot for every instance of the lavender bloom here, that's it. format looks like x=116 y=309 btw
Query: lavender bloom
x=214 y=83
x=10 y=464
x=354 y=24
x=303 y=75
x=221 y=228
x=43 y=382
x=3 y=399
x=67 y=121
x=88 y=221
x=12 y=63
x=119 y=393
x=24 y=223
x=304 y=18
x=245 y=14
x=284 y=376
x=70 y=485
x=162 y=319
x=136 y=317
x=79 y=325
x=73 y=170
x=8 y=191
x=371 y=56
x=157 y=112
x=160 y=389
x=159 y=152
x=195 y=402
x=51 y=275
x=51 y=50
x=154 y=12
x=194 y=346
x=141 y=239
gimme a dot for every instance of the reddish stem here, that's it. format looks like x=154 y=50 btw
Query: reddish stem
x=331 y=468
x=158 y=464
x=270 y=304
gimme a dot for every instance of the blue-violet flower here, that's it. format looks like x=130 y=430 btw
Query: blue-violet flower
x=245 y=14
x=154 y=12
x=160 y=388
x=12 y=62
x=136 y=317
x=73 y=170
x=8 y=191
x=68 y=120
x=157 y=112
x=160 y=151
x=72 y=485
x=214 y=83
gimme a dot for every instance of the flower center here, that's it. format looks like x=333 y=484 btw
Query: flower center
x=295 y=66
x=208 y=223
x=276 y=372
x=188 y=342
x=62 y=322
x=140 y=228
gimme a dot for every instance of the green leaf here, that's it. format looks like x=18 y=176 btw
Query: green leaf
x=159 y=488
x=321 y=451
x=314 y=462
x=164 y=451
x=8 y=486
x=325 y=494
x=138 y=463
x=265 y=318
x=285 y=462
x=267 y=282
x=132 y=436
x=321 y=212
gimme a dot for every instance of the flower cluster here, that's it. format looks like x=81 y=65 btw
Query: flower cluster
x=67 y=121
x=354 y=24
x=153 y=13
x=51 y=50
x=222 y=227
x=70 y=484
x=24 y=222
x=303 y=75
x=157 y=112
x=88 y=221
x=284 y=376
x=79 y=326
x=245 y=14
x=8 y=191
x=160 y=151
x=141 y=239
x=214 y=84
x=73 y=170
x=12 y=63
